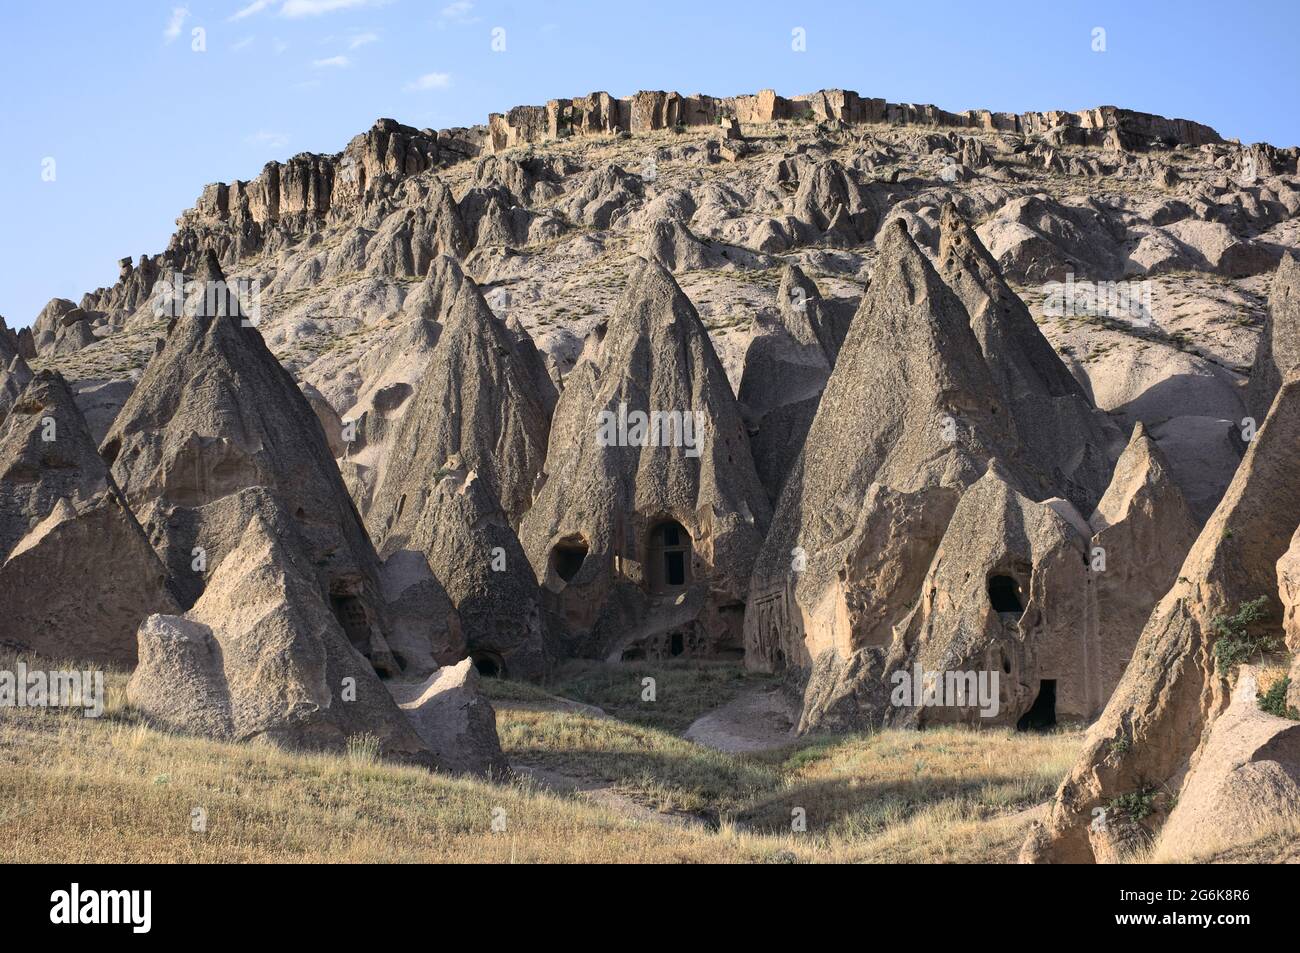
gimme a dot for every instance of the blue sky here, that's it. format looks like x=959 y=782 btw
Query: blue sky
x=137 y=121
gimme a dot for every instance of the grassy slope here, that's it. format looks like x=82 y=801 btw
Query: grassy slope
x=114 y=790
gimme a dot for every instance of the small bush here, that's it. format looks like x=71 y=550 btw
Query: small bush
x=1135 y=805
x=1273 y=701
x=1236 y=643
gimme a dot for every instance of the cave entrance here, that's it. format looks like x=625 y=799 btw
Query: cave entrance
x=488 y=664
x=669 y=556
x=1004 y=595
x=568 y=556
x=1042 y=714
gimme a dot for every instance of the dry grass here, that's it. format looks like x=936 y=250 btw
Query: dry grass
x=114 y=790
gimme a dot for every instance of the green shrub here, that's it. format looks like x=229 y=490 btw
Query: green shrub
x=1236 y=643
x=1273 y=701
x=1136 y=804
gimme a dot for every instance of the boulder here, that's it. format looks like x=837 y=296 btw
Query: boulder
x=454 y=719
x=1245 y=783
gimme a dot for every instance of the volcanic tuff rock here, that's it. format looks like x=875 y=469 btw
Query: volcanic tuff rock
x=76 y=572
x=1054 y=419
x=1246 y=780
x=786 y=368
x=456 y=522
x=477 y=398
x=14 y=376
x=1155 y=725
x=646 y=551
x=215 y=413
x=628 y=515
x=452 y=717
x=261 y=656
x=1288 y=585
x=909 y=418
x=1279 y=342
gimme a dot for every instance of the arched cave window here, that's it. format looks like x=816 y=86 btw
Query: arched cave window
x=1004 y=595
x=488 y=664
x=668 y=557
x=568 y=556
x=1042 y=714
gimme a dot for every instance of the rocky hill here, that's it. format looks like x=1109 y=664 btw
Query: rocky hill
x=844 y=388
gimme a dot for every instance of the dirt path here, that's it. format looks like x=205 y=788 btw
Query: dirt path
x=600 y=791
x=756 y=720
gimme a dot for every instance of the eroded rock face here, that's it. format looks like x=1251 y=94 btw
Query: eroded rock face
x=471 y=548
x=1245 y=782
x=260 y=656
x=77 y=574
x=476 y=399
x=1155 y=724
x=451 y=716
x=909 y=418
x=786 y=368
x=898 y=544
x=214 y=414
x=1288 y=586
x=1054 y=419
x=461 y=469
x=14 y=376
x=644 y=535
x=1279 y=343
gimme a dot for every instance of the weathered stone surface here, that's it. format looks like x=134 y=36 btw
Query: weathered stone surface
x=649 y=526
x=1245 y=782
x=909 y=418
x=77 y=574
x=1156 y=722
x=261 y=657
x=451 y=716
x=1054 y=419
x=215 y=413
x=787 y=364
x=1279 y=342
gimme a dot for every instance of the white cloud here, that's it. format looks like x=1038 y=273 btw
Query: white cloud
x=429 y=81
x=243 y=44
x=268 y=140
x=174 y=25
x=314 y=8
x=332 y=62
x=361 y=39
x=459 y=12
x=257 y=6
